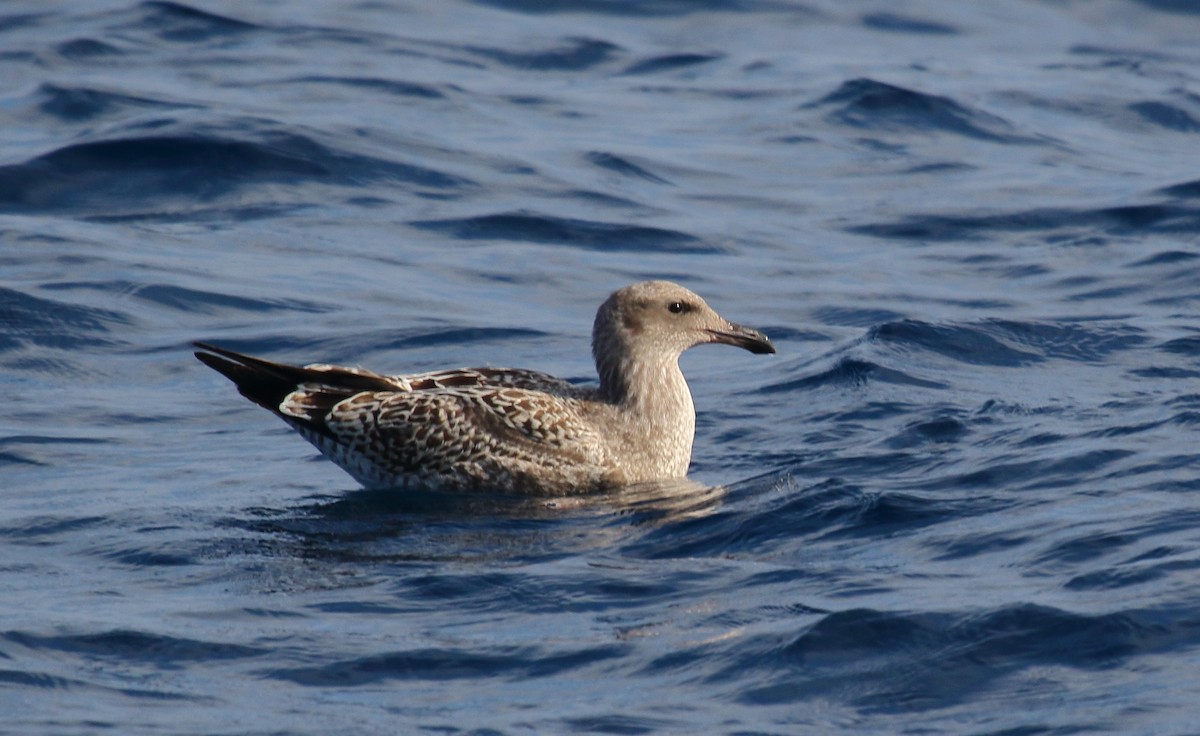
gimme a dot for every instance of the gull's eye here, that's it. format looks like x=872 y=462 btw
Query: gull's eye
x=678 y=307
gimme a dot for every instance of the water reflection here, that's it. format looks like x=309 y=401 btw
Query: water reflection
x=382 y=525
x=663 y=501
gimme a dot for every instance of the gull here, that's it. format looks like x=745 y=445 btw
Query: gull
x=504 y=429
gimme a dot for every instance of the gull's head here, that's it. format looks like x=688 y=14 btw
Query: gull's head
x=660 y=318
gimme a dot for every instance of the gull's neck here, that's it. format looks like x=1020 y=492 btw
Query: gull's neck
x=650 y=392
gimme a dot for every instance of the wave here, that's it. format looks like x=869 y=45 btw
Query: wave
x=444 y=663
x=1118 y=220
x=913 y=661
x=850 y=372
x=641 y=8
x=869 y=104
x=1010 y=343
x=576 y=54
x=523 y=226
x=184 y=170
x=47 y=323
x=127 y=645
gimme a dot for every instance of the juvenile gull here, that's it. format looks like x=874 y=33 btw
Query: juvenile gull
x=510 y=429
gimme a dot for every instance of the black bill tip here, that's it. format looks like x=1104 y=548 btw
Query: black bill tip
x=743 y=337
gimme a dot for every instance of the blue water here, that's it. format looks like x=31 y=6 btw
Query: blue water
x=959 y=501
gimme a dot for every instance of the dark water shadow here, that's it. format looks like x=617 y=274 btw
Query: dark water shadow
x=429 y=526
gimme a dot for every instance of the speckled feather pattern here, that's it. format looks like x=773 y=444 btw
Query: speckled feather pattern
x=460 y=429
x=509 y=429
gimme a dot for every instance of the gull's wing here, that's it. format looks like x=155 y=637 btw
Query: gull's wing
x=446 y=431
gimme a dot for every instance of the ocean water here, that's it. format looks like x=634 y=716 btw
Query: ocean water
x=960 y=500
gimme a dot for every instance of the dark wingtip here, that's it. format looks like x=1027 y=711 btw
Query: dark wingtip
x=256 y=379
x=223 y=352
x=207 y=354
x=210 y=360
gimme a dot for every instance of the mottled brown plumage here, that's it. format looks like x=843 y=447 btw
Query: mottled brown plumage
x=509 y=429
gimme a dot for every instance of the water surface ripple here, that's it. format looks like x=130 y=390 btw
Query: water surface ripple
x=959 y=500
